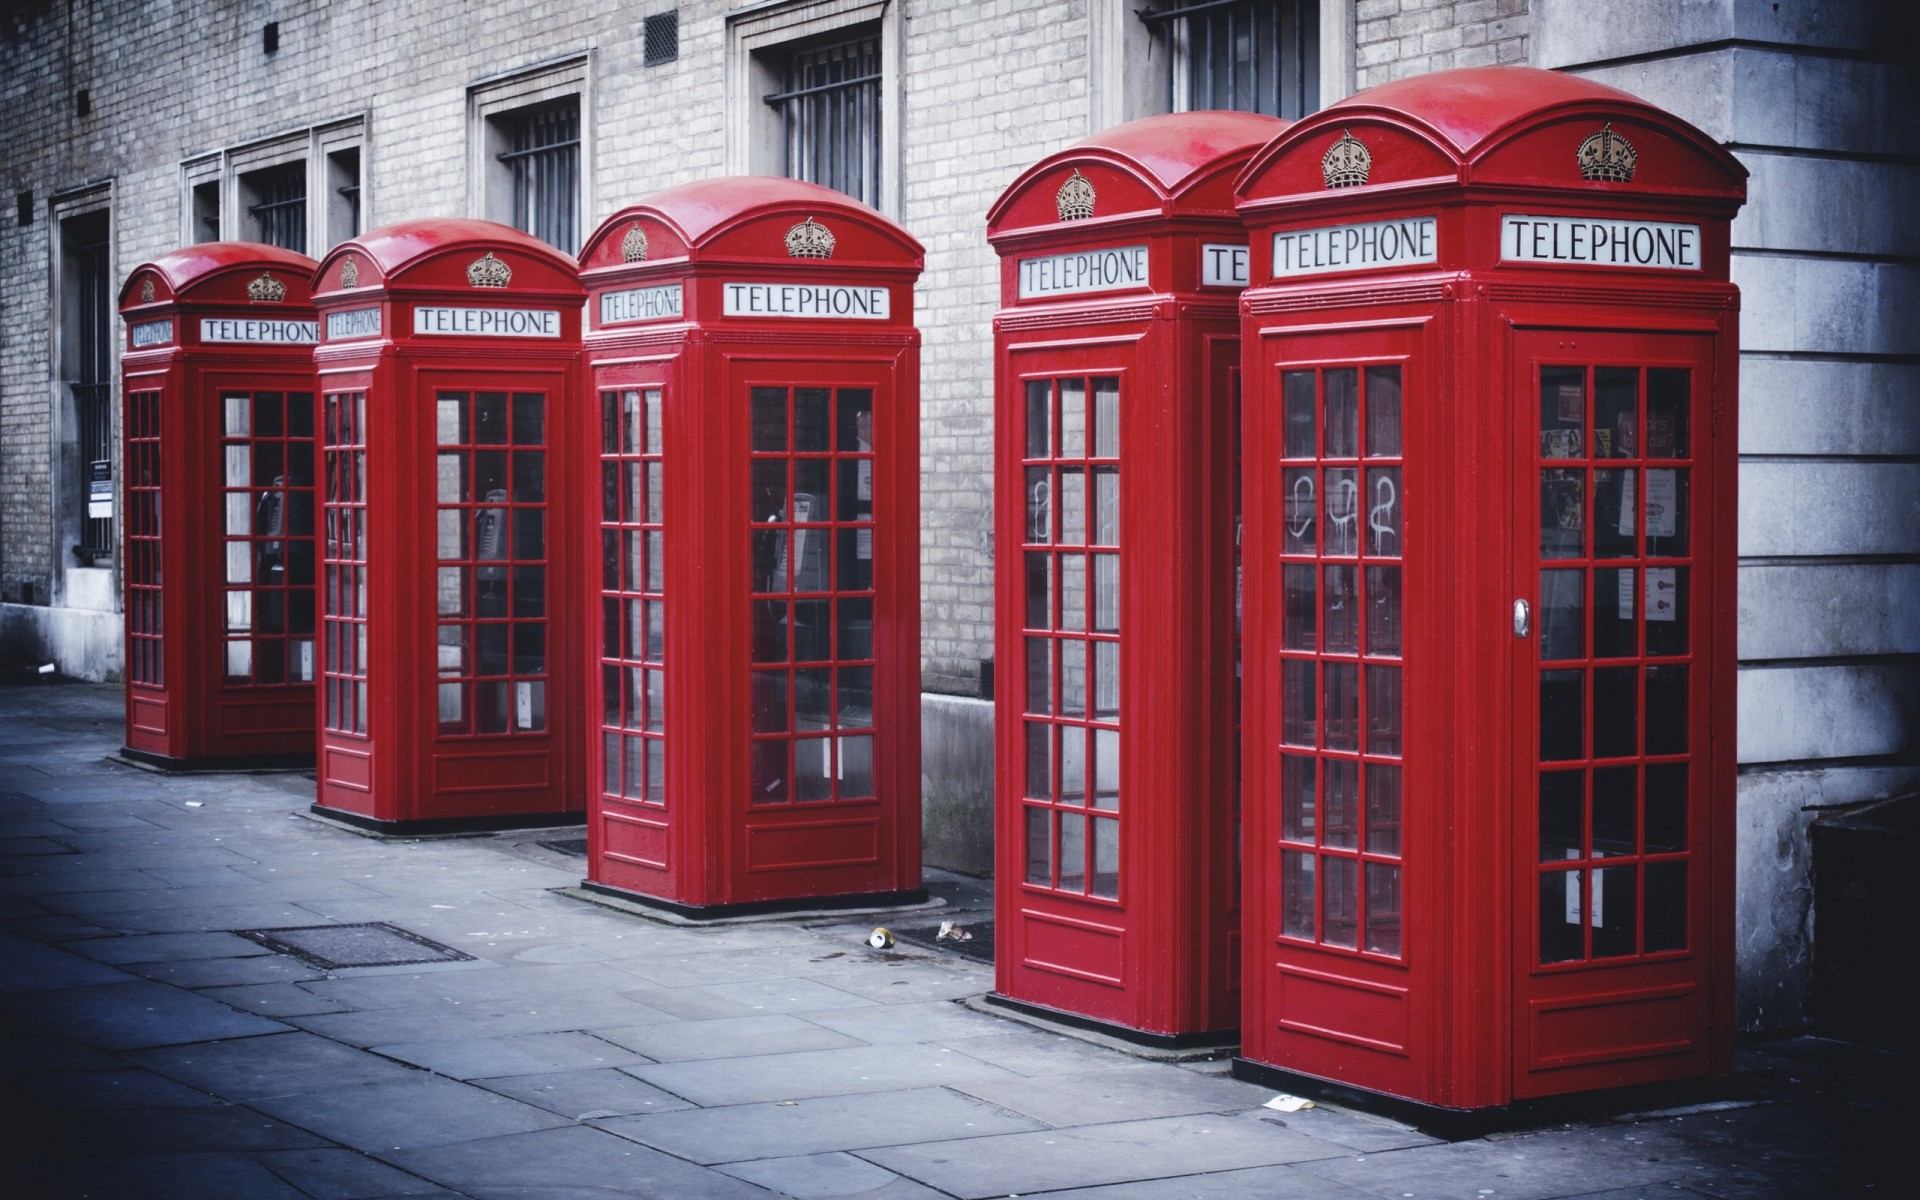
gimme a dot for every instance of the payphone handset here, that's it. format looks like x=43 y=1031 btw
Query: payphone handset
x=270 y=557
x=490 y=537
x=809 y=549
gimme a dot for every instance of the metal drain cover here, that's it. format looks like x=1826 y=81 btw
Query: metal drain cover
x=374 y=944
x=977 y=946
x=576 y=846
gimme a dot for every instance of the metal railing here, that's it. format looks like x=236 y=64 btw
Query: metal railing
x=1248 y=55
x=545 y=163
x=830 y=117
x=93 y=414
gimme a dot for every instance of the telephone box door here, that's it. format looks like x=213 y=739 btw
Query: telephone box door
x=1615 y=517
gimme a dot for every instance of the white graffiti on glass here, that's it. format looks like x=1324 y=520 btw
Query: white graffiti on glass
x=1039 y=516
x=1302 y=504
x=1343 y=515
x=1380 y=518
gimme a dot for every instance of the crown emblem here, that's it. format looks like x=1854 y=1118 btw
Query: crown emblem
x=1606 y=157
x=349 y=272
x=633 y=247
x=146 y=291
x=1347 y=162
x=1074 y=200
x=266 y=290
x=489 y=272
x=809 y=239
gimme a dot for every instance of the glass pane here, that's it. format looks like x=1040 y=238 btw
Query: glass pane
x=1039 y=760
x=1562 y=509
x=769 y=408
x=1383 y=412
x=1615 y=916
x=768 y=484
x=1339 y=901
x=1341 y=408
x=1383 y=611
x=1560 y=906
x=1106 y=769
x=1614 y=612
x=855 y=702
x=855 y=420
x=1296 y=894
x=1340 y=809
x=812 y=698
x=1106 y=859
x=1297 y=408
x=1301 y=604
x=770 y=709
x=1666 y=906
x=856 y=766
x=810 y=429
x=1039 y=675
x=1106 y=681
x=1383 y=710
x=1667 y=610
x=1039 y=505
x=1342 y=603
x=1562 y=709
x=236 y=424
x=1298 y=703
x=656 y=559
x=1616 y=703
x=1383 y=908
x=1343 y=511
x=1073 y=507
x=1563 y=411
x=1667 y=423
x=1040 y=847
x=1563 y=596
x=655 y=415
x=1667 y=511
x=239 y=466
x=1666 y=807
x=1106 y=417
x=1616 y=513
x=813 y=769
x=1073 y=765
x=1342 y=693
x=1616 y=802
x=1383 y=511
x=1106 y=593
x=1073 y=852
x=1562 y=805
x=1106 y=506
x=812 y=638
x=1301 y=510
x=1039 y=590
x=490 y=418
x=1616 y=412
x=855 y=630
x=1073 y=418
x=1039 y=418
x=1299 y=820
x=810 y=481
x=1383 y=809
x=450 y=420
x=1073 y=591
x=1667 y=709
x=530 y=534
x=1073 y=679
x=769 y=772
x=529 y=419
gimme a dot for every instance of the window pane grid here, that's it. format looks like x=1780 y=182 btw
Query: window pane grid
x=812 y=553
x=1615 y=650
x=544 y=163
x=343 y=593
x=1070 y=672
x=633 y=645
x=266 y=455
x=829 y=108
x=1340 y=662
x=1246 y=55
x=145 y=627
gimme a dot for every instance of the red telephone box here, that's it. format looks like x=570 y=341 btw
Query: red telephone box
x=1118 y=349
x=757 y=671
x=217 y=450
x=451 y=423
x=1490 y=567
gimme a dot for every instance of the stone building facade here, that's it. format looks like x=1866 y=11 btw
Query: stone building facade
x=136 y=126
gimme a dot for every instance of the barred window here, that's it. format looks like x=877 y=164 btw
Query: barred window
x=829 y=109
x=1248 y=55
x=543 y=160
x=276 y=200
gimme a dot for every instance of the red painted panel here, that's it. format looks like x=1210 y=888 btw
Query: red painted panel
x=346 y=768
x=1083 y=950
x=813 y=845
x=479 y=773
x=635 y=840
x=1344 y=1008
x=293 y=717
x=1625 y=1025
x=147 y=716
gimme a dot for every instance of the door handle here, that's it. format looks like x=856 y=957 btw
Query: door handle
x=1522 y=618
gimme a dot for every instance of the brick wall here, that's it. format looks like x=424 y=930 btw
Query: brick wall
x=1397 y=38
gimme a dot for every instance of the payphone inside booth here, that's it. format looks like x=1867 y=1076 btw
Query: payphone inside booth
x=450 y=422
x=1490 y=352
x=756 y=660
x=1117 y=349
x=217 y=457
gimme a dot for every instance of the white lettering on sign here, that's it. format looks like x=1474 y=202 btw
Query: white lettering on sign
x=248 y=329
x=1405 y=241
x=1223 y=266
x=811 y=300
x=487 y=322
x=1596 y=241
x=152 y=333
x=640 y=304
x=1114 y=269
x=354 y=323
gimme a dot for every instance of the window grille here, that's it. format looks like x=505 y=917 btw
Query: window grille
x=279 y=210
x=660 y=38
x=1248 y=55
x=544 y=161
x=92 y=381
x=830 y=116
